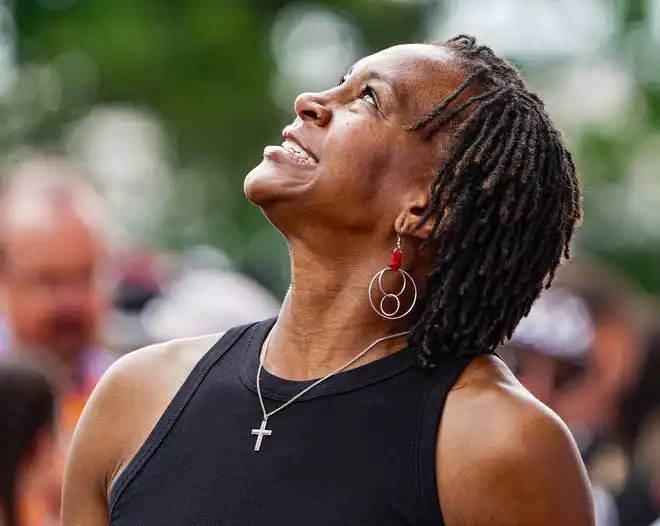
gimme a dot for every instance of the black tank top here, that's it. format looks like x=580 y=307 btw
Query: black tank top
x=359 y=449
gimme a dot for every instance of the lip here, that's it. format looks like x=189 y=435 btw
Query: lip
x=291 y=134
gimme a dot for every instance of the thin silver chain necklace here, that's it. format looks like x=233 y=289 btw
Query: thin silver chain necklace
x=262 y=432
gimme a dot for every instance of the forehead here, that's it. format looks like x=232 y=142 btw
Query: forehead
x=422 y=75
x=60 y=244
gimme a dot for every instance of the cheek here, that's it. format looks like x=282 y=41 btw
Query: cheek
x=29 y=304
x=357 y=158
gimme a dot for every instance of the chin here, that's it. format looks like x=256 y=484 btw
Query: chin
x=256 y=186
x=269 y=183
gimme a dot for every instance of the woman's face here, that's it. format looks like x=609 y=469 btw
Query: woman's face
x=348 y=161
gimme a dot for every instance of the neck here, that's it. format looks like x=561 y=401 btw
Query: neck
x=326 y=318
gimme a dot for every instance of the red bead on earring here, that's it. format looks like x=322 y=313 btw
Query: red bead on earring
x=396 y=259
x=397 y=254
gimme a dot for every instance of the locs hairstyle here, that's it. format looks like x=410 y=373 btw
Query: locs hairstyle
x=513 y=197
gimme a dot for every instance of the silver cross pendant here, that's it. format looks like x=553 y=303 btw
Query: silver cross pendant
x=261 y=433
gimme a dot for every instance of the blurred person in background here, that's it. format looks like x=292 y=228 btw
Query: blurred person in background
x=54 y=282
x=639 y=499
x=164 y=296
x=30 y=466
x=206 y=295
x=579 y=351
x=54 y=279
x=142 y=280
x=428 y=163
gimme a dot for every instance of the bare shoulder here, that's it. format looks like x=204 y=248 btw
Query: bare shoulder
x=146 y=381
x=108 y=435
x=505 y=458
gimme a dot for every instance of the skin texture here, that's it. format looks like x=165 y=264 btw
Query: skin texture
x=503 y=458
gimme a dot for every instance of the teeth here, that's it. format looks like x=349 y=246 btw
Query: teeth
x=296 y=150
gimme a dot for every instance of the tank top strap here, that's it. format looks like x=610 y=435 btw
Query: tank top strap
x=176 y=407
x=440 y=383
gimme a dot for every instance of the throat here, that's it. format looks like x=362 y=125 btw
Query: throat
x=326 y=318
x=302 y=348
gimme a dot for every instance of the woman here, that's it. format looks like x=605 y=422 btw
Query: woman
x=28 y=459
x=435 y=164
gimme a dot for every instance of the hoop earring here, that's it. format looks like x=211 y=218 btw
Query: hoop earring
x=394 y=266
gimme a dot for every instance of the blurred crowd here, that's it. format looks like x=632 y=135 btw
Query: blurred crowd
x=72 y=301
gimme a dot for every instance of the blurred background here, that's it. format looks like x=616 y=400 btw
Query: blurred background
x=128 y=126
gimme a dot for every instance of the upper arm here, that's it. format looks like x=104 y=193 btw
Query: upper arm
x=119 y=416
x=514 y=463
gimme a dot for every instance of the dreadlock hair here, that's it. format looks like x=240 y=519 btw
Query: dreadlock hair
x=512 y=197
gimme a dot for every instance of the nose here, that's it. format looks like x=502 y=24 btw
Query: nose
x=309 y=107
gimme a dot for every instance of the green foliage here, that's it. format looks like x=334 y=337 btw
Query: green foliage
x=205 y=68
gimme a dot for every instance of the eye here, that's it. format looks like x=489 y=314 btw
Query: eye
x=369 y=95
x=343 y=79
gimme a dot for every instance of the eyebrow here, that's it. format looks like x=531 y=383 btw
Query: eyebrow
x=371 y=74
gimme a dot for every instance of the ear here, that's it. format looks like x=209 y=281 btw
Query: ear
x=408 y=221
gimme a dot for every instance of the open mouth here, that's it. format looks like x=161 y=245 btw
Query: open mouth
x=298 y=151
x=291 y=151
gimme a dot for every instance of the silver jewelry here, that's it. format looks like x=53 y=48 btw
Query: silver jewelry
x=262 y=432
x=394 y=266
